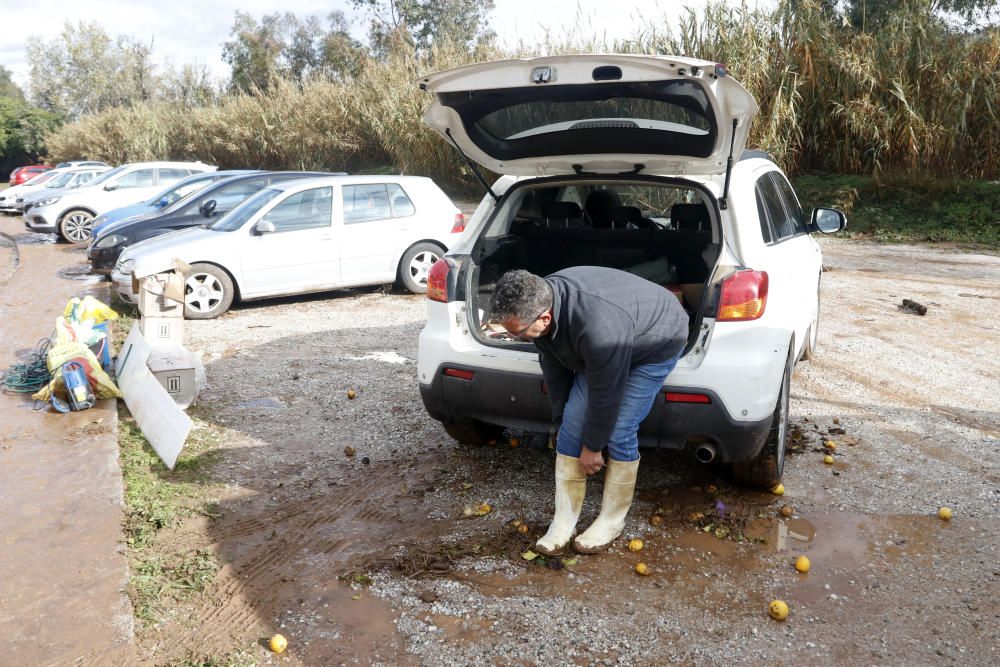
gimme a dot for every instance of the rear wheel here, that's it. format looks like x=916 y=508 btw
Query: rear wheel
x=416 y=263
x=76 y=226
x=765 y=470
x=208 y=292
x=473 y=431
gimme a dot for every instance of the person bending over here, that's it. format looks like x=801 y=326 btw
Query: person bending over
x=607 y=341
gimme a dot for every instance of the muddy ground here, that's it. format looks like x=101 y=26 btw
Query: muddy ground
x=369 y=558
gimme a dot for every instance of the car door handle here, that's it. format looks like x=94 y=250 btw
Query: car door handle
x=325 y=237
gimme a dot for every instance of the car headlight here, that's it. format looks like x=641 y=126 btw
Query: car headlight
x=127 y=266
x=48 y=201
x=110 y=240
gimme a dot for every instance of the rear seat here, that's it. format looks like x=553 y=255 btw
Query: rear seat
x=548 y=250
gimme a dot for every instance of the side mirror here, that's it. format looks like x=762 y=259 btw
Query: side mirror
x=207 y=208
x=111 y=186
x=828 y=220
x=264 y=227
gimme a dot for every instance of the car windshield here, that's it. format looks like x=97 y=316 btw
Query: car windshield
x=41 y=178
x=103 y=178
x=59 y=180
x=238 y=216
x=182 y=191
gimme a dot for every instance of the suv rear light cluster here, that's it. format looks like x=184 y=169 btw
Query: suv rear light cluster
x=437 y=280
x=744 y=296
x=459 y=225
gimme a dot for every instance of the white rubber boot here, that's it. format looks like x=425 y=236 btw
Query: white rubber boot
x=619 y=487
x=571 y=486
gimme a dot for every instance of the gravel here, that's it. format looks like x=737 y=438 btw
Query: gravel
x=916 y=398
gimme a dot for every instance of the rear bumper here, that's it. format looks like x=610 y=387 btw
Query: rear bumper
x=516 y=400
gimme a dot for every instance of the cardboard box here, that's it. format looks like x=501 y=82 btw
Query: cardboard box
x=175 y=368
x=162 y=295
x=162 y=332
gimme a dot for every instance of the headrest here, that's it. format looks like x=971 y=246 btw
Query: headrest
x=626 y=214
x=690 y=217
x=561 y=210
x=602 y=201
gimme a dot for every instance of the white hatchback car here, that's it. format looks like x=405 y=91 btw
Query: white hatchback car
x=635 y=163
x=306 y=235
x=71 y=214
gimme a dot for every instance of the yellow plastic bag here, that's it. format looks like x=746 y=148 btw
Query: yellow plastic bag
x=60 y=353
x=88 y=308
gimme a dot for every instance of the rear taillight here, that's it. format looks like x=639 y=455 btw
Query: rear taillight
x=459 y=225
x=744 y=295
x=437 y=281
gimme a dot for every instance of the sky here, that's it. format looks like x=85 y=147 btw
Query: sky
x=192 y=31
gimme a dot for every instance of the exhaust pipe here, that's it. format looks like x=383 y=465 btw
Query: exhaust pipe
x=705 y=452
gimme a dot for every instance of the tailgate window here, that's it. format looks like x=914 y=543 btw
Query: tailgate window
x=659 y=117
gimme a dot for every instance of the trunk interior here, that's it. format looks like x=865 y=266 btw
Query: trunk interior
x=666 y=232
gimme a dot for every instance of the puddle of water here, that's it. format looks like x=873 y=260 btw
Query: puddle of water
x=333 y=623
x=81 y=273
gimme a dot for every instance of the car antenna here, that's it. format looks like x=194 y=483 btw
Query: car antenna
x=724 y=199
x=479 y=177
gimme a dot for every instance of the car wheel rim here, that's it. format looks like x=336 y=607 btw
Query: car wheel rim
x=77 y=227
x=421 y=265
x=203 y=292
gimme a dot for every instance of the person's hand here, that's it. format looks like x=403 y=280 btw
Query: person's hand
x=590 y=462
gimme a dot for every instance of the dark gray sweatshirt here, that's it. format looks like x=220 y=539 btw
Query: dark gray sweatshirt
x=604 y=322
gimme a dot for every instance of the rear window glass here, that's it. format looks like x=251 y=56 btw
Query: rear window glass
x=662 y=117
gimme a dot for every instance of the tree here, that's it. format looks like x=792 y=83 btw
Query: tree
x=868 y=15
x=424 y=22
x=8 y=88
x=283 y=45
x=85 y=71
x=191 y=86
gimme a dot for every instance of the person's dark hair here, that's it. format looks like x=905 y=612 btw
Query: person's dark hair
x=520 y=294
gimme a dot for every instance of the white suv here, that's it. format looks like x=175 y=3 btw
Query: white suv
x=71 y=214
x=636 y=163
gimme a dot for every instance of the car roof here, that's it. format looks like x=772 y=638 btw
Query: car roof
x=348 y=179
x=166 y=163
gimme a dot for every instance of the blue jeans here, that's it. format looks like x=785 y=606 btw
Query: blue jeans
x=641 y=389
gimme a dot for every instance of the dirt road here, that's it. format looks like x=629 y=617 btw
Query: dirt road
x=368 y=558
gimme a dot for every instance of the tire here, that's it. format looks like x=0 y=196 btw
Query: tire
x=416 y=263
x=473 y=431
x=766 y=469
x=812 y=335
x=208 y=292
x=75 y=226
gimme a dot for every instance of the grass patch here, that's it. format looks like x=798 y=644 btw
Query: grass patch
x=177 y=577
x=157 y=498
x=909 y=209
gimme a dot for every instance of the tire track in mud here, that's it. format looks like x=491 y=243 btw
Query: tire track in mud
x=247 y=589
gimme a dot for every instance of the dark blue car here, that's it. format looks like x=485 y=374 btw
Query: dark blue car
x=161 y=200
x=195 y=209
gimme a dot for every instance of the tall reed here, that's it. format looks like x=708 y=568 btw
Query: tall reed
x=913 y=97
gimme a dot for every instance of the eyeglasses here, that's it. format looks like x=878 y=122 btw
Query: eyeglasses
x=518 y=334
